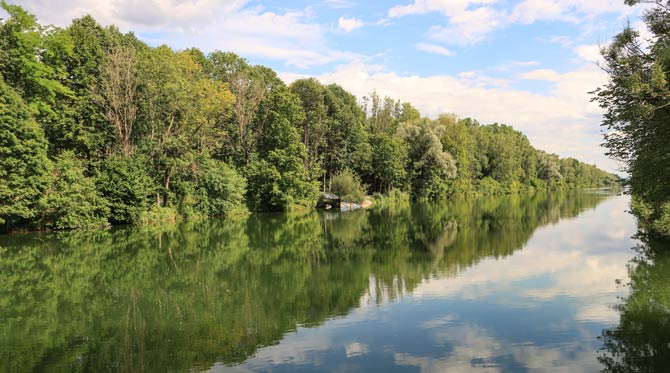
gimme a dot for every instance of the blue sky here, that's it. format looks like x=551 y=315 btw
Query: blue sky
x=527 y=63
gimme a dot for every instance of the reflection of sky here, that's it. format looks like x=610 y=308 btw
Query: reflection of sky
x=540 y=309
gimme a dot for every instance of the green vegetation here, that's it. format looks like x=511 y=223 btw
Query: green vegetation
x=98 y=128
x=637 y=100
x=347 y=187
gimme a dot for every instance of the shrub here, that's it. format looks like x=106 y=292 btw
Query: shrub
x=347 y=187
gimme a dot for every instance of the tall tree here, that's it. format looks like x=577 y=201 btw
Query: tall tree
x=118 y=93
x=278 y=181
x=637 y=101
x=24 y=166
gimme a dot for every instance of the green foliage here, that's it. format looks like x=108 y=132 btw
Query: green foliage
x=637 y=104
x=278 y=181
x=387 y=166
x=71 y=200
x=347 y=187
x=126 y=185
x=429 y=166
x=218 y=190
x=24 y=166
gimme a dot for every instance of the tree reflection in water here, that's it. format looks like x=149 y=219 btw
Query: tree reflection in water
x=182 y=297
x=641 y=341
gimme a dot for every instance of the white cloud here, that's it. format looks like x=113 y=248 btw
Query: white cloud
x=356 y=349
x=589 y=53
x=339 y=4
x=470 y=26
x=433 y=48
x=249 y=30
x=513 y=65
x=349 y=24
x=447 y=7
x=541 y=74
x=471 y=21
x=562 y=40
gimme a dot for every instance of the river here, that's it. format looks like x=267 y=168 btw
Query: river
x=518 y=283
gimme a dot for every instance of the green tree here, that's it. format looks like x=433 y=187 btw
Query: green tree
x=24 y=166
x=127 y=186
x=278 y=181
x=25 y=49
x=637 y=104
x=71 y=200
x=387 y=167
x=314 y=127
x=429 y=166
x=347 y=187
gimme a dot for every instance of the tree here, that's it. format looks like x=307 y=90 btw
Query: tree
x=180 y=104
x=118 y=93
x=347 y=145
x=250 y=85
x=71 y=200
x=637 y=104
x=25 y=46
x=24 y=166
x=127 y=186
x=429 y=166
x=278 y=181
x=218 y=190
x=314 y=127
x=387 y=167
x=347 y=187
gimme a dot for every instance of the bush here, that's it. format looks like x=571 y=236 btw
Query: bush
x=218 y=190
x=280 y=184
x=490 y=187
x=125 y=183
x=347 y=187
x=71 y=200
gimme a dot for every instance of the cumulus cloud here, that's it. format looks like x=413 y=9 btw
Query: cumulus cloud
x=238 y=25
x=542 y=74
x=471 y=21
x=349 y=24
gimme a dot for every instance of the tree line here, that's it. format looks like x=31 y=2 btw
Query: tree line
x=637 y=103
x=97 y=128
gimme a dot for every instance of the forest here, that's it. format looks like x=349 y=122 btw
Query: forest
x=98 y=128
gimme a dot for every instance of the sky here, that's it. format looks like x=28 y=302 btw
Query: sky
x=527 y=63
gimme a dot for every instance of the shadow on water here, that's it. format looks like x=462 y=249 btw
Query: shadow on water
x=641 y=341
x=182 y=297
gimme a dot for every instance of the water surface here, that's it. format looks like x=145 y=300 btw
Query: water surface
x=509 y=284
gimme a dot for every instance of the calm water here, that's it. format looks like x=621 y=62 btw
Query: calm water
x=544 y=282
